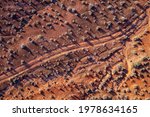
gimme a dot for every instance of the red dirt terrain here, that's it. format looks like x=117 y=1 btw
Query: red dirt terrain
x=74 y=49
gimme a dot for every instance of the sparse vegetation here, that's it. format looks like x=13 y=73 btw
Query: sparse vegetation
x=74 y=49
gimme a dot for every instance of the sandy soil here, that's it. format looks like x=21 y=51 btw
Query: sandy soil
x=75 y=50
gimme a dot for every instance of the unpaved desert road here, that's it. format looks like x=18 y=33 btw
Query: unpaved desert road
x=64 y=50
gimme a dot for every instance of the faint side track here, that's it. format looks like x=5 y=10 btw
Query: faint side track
x=74 y=60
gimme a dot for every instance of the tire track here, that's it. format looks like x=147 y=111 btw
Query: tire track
x=65 y=50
